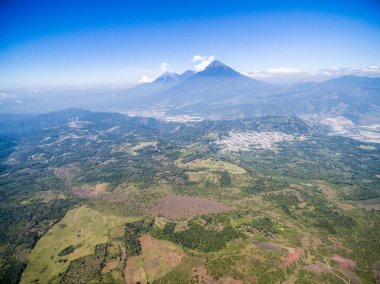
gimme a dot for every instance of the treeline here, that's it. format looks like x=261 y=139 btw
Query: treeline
x=132 y=233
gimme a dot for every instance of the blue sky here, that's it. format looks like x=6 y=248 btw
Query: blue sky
x=100 y=42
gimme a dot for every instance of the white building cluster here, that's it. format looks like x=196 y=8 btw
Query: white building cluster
x=246 y=141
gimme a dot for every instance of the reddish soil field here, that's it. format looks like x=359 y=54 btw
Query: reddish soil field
x=293 y=256
x=345 y=266
x=178 y=207
x=344 y=262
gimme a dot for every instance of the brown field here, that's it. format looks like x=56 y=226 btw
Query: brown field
x=369 y=204
x=376 y=271
x=99 y=191
x=157 y=259
x=65 y=173
x=178 y=207
x=201 y=276
x=319 y=267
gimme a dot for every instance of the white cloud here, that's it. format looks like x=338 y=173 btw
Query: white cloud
x=145 y=79
x=275 y=72
x=198 y=58
x=204 y=61
x=284 y=70
x=164 y=67
x=151 y=75
x=373 y=67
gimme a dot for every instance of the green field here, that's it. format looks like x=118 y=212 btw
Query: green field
x=215 y=165
x=82 y=228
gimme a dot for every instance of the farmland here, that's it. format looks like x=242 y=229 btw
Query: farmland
x=118 y=200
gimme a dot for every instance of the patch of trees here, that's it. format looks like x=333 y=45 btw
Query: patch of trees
x=323 y=215
x=197 y=236
x=67 y=250
x=331 y=214
x=287 y=202
x=12 y=273
x=265 y=184
x=265 y=225
x=362 y=193
x=132 y=233
x=23 y=225
x=225 y=179
x=87 y=268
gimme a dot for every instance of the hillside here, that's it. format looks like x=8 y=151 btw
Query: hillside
x=106 y=198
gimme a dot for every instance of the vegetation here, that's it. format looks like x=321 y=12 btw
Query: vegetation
x=197 y=236
x=67 y=250
x=82 y=228
x=86 y=268
x=132 y=233
x=265 y=184
x=157 y=259
x=56 y=226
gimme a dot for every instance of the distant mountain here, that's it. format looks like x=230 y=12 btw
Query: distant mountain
x=218 y=83
x=140 y=95
x=11 y=123
x=185 y=75
x=356 y=98
x=220 y=92
x=163 y=82
x=71 y=119
x=217 y=69
x=167 y=78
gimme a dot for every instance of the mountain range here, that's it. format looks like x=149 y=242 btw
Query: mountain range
x=219 y=92
x=222 y=93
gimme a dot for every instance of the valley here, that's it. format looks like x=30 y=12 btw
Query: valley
x=91 y=197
